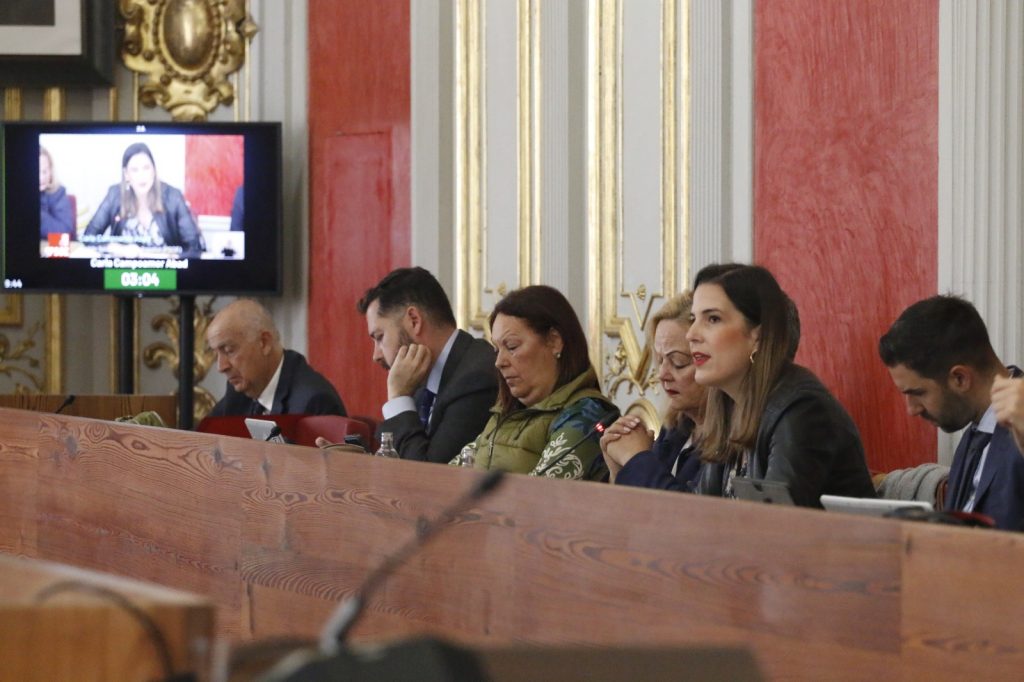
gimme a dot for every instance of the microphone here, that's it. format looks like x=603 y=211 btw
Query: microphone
x=606 y=420
x=275 y=435
x=67 y=401
x=348 y=612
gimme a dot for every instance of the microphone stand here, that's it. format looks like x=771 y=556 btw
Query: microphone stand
x=64 y=405
x=602 y=424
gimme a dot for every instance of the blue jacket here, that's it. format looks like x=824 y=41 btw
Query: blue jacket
x=55 y=213
x=653 y=468
x=1000 y=492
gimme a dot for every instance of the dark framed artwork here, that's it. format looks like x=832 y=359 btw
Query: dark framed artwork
x=55 y=43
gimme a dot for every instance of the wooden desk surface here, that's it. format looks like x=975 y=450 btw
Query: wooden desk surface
x=100 y=406
x=59 y=622
x=276 y=535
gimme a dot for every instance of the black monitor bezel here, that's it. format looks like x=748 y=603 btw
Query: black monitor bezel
x=260 y=274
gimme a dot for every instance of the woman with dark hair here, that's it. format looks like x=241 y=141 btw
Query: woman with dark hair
x=549 y=398
x=55 y=214
x=672 y=462
x=767 y=417
x=143 y=211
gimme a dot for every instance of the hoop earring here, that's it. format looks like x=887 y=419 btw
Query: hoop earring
x=752 y=354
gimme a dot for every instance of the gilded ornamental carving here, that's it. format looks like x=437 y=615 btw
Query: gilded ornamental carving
x=187 y=49
x=160 y=352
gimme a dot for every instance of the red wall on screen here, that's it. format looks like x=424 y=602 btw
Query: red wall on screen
x=359 y=115
x=846 y=190
x=214 y=170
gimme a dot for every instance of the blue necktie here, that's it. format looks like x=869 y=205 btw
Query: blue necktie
x=976 y=442
x=426 y=404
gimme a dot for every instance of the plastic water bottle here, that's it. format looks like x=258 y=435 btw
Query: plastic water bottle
x=467 y=457
x=387 y=446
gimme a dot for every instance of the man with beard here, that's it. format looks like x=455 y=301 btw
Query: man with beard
x=441 y=381
x=940 y=358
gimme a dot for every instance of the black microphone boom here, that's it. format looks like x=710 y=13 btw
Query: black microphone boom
x=606 y=420
x=348 y=612
x=67 y=401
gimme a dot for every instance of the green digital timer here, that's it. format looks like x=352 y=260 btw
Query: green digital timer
x=140 y=280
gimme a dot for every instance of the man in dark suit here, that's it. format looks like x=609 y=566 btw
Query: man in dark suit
x=940 y=358
x=263 y=377
x=441 y=381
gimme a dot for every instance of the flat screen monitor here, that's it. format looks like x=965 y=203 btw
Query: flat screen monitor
x=141 y=208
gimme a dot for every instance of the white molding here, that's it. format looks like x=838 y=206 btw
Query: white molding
x=721 y=133
x=428 y=91
x=981 y=157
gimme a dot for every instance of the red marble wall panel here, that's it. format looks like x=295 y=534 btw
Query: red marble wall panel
x=359 y=115
x=214 y=170
x=846 y=190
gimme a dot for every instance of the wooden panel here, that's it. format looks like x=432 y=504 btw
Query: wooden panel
x=97 y=406
x=359 y=189
x=846 y=190
x=962 y=589
x=56 y=625
x=277 y=535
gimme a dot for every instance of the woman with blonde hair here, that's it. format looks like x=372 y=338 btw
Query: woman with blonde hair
x=671 y=462
x=55 y=214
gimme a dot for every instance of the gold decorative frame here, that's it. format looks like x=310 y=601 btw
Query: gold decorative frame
x=10 y=313
x=630 y=362
x=54 y=109
x=529 y=177
x=160 y=352
x=470 y=105
x=471 y=155
x=188 y=50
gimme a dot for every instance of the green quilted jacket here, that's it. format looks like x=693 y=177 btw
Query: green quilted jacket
x=535 y=440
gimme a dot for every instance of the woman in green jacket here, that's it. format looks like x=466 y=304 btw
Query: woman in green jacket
x=549 y=398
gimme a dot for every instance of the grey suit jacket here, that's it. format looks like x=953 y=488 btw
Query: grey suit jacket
x=469 y=387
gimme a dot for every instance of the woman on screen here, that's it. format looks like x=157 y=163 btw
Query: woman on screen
x=142 y=210
x=55 y=214
x=766 y=417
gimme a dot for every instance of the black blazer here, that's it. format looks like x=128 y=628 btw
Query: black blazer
x=177 y=226
x=300 y=390
x=469 y=387
x=806 y=440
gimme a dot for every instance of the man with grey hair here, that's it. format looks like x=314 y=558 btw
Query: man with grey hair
x=263 y=377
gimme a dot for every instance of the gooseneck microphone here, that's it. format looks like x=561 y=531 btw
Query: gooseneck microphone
x=67 y=401
x=275 y=432
x=606 y=420
x=340 y=623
